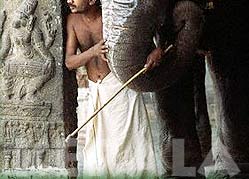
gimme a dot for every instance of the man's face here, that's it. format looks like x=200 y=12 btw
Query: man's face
x=78 y=5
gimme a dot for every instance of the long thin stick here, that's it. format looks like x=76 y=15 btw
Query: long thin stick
x=168 y=48
x=143 y=70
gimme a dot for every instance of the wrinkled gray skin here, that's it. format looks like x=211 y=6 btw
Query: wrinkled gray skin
x=179 y=80
x=139 y=25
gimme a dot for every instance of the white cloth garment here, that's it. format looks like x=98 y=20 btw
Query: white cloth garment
x=118 y=140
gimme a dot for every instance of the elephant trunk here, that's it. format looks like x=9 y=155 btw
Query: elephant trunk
x=129 y=27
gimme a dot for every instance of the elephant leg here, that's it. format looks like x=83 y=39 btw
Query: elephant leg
x=202 y=119
x=176 y=107
x=228 y=29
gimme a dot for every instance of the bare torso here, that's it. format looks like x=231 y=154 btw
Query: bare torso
x=88 y=34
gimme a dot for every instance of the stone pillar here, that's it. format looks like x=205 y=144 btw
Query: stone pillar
x=37 y=93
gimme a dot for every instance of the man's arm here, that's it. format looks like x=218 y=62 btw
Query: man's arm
x=74 y=60
x=154 y=58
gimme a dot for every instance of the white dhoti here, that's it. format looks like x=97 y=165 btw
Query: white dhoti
x=118 y=140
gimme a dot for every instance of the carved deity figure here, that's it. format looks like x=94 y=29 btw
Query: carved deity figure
x=28 y=63
x=8 y=131
x=40 y=158
x=7 y=159
x=40 y=135
x=25 y=135
x=56 y=135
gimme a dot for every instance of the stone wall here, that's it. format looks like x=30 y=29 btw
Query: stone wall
x=37 y=95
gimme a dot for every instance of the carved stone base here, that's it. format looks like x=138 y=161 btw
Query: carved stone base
x=38 y=109
x=52 y=173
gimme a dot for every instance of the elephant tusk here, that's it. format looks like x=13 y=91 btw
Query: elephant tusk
x=142 y=71
x=168 y=48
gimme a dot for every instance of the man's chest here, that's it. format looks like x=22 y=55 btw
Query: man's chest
x=88 y=36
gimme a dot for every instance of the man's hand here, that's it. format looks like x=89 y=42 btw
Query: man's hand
x=154 y=58
x=100 y=49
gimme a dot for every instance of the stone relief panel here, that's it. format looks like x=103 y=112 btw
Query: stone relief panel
x=29 y=142
x=2 y=20
x=31 y=92
x=28 y=62
x=56 y=135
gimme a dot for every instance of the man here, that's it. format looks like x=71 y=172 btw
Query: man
x=118 y=139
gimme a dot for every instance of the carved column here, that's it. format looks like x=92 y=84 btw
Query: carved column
x=34 y=106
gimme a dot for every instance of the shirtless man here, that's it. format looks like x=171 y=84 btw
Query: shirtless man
x=117 y=136
x=84 y=31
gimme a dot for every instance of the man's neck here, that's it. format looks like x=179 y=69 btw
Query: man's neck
x=92 y=13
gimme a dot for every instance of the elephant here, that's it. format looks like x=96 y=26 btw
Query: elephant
x=226 y=33
x=129 y=27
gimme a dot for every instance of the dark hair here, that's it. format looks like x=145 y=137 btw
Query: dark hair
x=98 y=3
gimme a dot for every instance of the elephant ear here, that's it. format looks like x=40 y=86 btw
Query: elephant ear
x=129 y=29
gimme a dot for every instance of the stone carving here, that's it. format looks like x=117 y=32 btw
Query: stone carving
x=49 y=29
x=39 y=128
x=8 y=131
x=32 y=96
x=11 y=130
x=29 y=141
x=38 y=111
x=26 y=134
x=40 y=158
x=25 y=158
x=56 y=135
x=16 y=158
x=28 y=158
x=2 y=20
x=28 y=63
x=7 y=159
